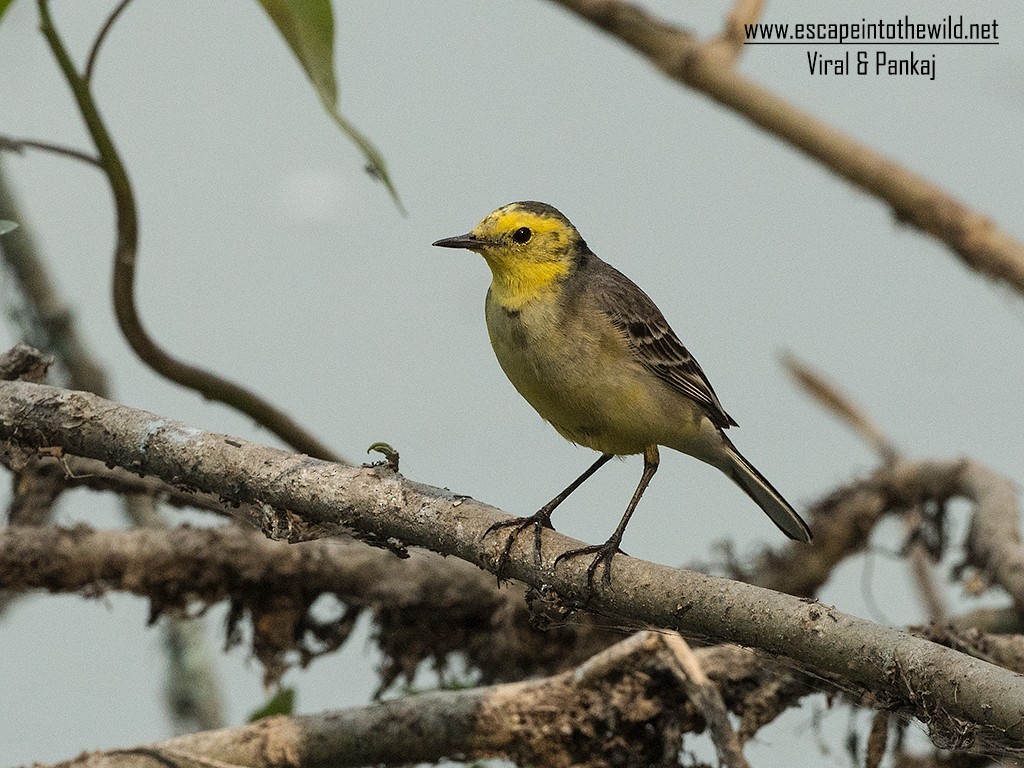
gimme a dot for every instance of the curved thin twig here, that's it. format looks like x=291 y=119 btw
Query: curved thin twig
x=730 y=40
x=125 y=253
x=94 y=52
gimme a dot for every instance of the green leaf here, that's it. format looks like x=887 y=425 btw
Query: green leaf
x=281 y=703
x=4 y=5
x=308 y=28
x=6 y=226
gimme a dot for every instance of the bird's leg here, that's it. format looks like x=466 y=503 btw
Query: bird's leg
x=605 y=552
x=541 y=518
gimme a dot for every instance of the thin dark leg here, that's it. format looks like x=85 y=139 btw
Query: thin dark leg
x=605 y=552
x=541 y=518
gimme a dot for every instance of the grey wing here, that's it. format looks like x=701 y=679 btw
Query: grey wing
x=655 y=343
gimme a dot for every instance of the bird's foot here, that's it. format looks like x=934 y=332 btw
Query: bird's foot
x=603 y=554
x=539 y=520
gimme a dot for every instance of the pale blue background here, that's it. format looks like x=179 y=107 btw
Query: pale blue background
x=269 y=255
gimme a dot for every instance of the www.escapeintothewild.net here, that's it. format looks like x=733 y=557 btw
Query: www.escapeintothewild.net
x=951 y=30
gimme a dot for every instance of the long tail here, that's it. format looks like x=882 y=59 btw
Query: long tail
x=757 y=487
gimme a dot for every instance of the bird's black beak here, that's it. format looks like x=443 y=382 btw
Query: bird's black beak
x=469 y=240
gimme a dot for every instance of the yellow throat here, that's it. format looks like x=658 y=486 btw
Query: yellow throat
x=530 y=248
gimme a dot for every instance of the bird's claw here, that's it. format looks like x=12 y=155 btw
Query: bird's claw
x=539 y=521
x=604 y=554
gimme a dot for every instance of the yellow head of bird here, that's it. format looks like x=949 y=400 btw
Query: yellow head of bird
x=528 y=246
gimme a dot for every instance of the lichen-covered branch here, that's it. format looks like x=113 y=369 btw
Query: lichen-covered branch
x=966 y=703
x=424 y=608
x=623 y=707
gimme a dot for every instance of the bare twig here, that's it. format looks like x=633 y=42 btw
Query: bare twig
x=970 y=704
x=833 y=399
x=922 y=567
x=978 y=241
x=707 y=699
x=878 y=740
x=11 y=144
x=125 y=254
x=842 y=522
x=730 y=42
x=94 y=52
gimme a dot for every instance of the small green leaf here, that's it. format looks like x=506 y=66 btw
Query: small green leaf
x=6 y=226
x=281 y=703
x=308 y=28
x=390 y=454
x=4 y=5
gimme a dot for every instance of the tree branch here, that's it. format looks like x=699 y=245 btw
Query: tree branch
x=965 y=703
x=730 y=41
x=978 y=241
x=424 y=608
x=842 y=522
x=832 y=398
x=621 y=707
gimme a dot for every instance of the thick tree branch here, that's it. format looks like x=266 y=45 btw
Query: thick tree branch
x=978 y=241
x=424 y=608
x=966 y=703
x=623 y=707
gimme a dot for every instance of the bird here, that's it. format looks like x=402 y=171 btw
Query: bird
x=595 y=357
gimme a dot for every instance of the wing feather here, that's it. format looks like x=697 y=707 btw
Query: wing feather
x=654 y=342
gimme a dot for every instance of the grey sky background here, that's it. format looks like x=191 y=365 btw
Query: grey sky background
x=268 y=254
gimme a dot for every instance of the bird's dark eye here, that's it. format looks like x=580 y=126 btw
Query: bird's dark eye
x=522 y=235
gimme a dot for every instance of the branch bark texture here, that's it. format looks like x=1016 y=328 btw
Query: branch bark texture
x=623 y=708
